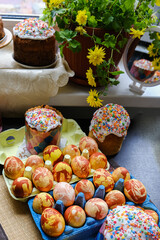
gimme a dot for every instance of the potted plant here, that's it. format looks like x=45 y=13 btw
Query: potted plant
x=92 y=35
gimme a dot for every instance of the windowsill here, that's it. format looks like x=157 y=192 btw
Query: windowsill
x=75 y=95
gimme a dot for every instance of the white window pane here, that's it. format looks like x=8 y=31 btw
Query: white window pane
x=21 y=6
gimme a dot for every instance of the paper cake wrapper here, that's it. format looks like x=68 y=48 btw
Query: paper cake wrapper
x=140 y=73
x=37 y=141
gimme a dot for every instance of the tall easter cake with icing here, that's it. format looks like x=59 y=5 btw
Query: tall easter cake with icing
x=34 y=43
x=2 y=33
x=109 y=127
x=43 y=126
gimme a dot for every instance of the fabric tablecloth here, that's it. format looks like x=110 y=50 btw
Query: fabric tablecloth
x=21 y=88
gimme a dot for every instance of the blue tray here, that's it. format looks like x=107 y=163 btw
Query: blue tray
x=91 y=227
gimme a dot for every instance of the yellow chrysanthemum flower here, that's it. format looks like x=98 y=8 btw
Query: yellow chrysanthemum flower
x=152 y=51
x=91 y=79
x=81 y=17
x=81 y=30
x=96 y=56
x=93 y=99
x=137 y=33
x=56 y=3
x=158 y=3
x=156 y=63
x=158 y=35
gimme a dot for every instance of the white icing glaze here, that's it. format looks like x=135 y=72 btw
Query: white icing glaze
x=33 y=28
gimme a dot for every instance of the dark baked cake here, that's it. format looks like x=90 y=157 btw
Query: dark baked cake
x=2 y=33
x=34 y=43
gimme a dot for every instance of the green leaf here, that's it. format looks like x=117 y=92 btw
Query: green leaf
x=74 y=45
x=109 y=40
x=116 y=73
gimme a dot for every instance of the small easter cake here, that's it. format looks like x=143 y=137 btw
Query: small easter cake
x=142 y=69
x=42 y=127
x=109 y=127
x=34 y=43
x=129 y=222
x=2 y=33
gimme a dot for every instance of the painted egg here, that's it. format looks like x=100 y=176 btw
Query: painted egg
x=34 y=161
x=120 y=172
x=13 y=167
x=42 y=201
x=135 y=191
x=52 y=222
x=85 y=186
x=115 y=198
x=71 y=150
x=88 y=143
x=103 y=177
x=42 y=179
x=62 y=172
x=98 y=160
x=153 y=214
x=21 y=187
x=65 y=192
x=81 y=166
x=53 y=153
x=75 y=216
x=96 y=208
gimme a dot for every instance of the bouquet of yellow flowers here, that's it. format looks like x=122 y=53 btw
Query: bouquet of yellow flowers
x=132 y=17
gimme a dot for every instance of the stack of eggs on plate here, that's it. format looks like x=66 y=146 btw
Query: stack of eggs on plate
x=56 y=165
x=63 y=164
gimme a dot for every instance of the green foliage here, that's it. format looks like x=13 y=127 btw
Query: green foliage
x=115 y=15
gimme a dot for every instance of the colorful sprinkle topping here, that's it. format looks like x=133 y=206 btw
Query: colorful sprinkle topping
x=110 y=119
x=43 y=119
x=129 y=222
x=33 y=28
x=144 y=64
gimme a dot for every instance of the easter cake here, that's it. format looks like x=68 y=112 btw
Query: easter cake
x=109 y=127
x=2 y=33
x=142 y=69
x=34 y=43
x=129 y=222
x=42 y=127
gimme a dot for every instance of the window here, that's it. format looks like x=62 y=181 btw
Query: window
x=21 y=7
x=13 y=11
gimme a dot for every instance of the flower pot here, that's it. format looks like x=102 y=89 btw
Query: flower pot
x=79 y=62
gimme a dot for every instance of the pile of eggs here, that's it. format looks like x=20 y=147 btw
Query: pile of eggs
x=57 y=165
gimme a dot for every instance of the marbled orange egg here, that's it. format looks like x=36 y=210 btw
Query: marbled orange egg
x=153 y=214
x=52 y=222
x=42 y=201
x=42 y=179
x=75 y=216
x=103 y=177
x=135 y=191
x=53 y=153
x=120 y=172
x=81 y=166
x=71 y=150
x=85 y=186
x=13 y=167
x=34 y=161
x=98 y=160
x=62 y=172
x=96 y=208
x=21 y=187
x=88 y=143
x=65 y=192
x=115 y=198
